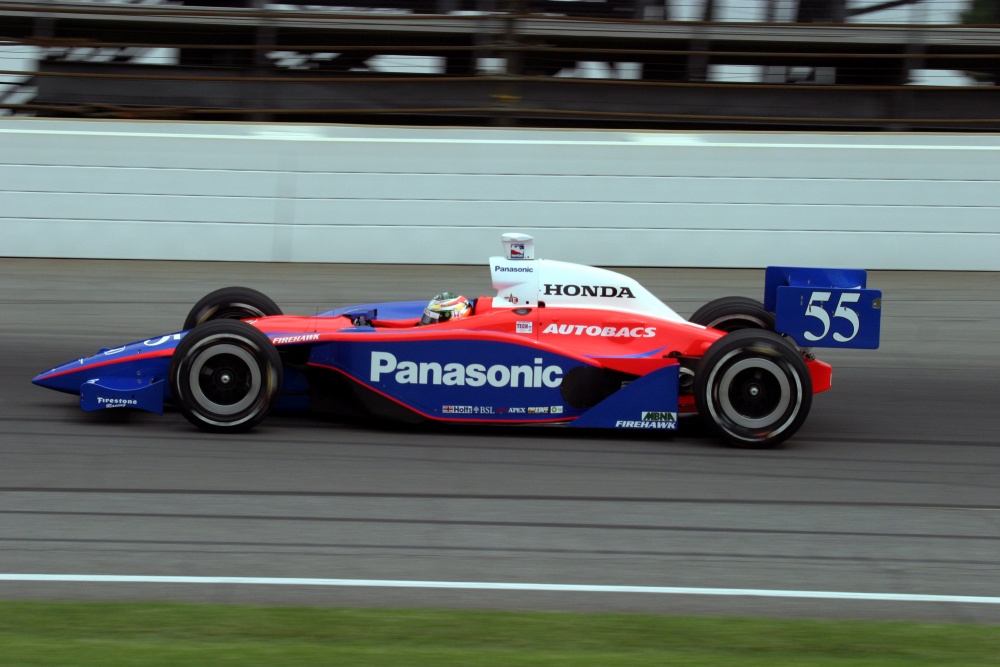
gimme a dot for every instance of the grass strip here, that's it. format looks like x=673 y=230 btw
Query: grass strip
x=112 y=634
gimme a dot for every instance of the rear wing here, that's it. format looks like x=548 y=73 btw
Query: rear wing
x=824 y=307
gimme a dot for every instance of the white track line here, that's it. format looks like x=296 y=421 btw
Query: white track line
x=491 y=586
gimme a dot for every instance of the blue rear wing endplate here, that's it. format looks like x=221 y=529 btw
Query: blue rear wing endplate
x=824 y=307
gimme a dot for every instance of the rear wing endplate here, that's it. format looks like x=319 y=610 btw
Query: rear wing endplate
x=824 y=307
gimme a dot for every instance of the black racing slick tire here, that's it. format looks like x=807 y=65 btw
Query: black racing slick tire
x=732 y=313
x=753 y=388
x=225 y=376
x=231 y=303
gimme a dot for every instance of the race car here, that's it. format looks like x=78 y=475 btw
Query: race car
x=558 y=343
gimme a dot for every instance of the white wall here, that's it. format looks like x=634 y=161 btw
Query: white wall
x=300 y=193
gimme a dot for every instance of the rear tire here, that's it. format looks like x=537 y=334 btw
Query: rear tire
x=753 y=388
x=231 y=303
x=225 y=376
x=732 y=313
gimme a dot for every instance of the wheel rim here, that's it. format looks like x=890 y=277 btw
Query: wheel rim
x=754 y=393
x=225 y=379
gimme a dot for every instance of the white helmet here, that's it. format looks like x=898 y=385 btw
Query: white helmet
x=444 y=307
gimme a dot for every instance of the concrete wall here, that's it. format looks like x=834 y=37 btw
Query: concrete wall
x=299 y=193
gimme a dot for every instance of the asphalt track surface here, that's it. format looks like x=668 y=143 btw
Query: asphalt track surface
x=892 y=486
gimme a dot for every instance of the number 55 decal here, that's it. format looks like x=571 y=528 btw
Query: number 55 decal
x=829 y=316
x=815 y=309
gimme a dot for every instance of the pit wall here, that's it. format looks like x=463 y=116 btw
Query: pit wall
x=322 y=193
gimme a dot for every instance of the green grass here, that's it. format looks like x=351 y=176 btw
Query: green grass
x=111 y=634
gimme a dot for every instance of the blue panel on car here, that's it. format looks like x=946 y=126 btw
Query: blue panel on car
x=804 y=276
x=457 y=379
x=138 y=393
x=830 y=317
x=648 y=402
x=396 y=310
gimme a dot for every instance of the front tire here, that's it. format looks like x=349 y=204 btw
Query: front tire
x=225 y=376
x=732 y=313
x=753 y=388
x=231 y=303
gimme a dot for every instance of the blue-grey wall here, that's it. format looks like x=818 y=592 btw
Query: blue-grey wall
x=302 y=193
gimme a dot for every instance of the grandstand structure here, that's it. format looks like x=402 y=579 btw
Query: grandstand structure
x=650 y=64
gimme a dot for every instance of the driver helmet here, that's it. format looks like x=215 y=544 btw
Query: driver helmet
x=446 y=306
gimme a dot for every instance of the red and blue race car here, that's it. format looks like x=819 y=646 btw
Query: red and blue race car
x=559 y=343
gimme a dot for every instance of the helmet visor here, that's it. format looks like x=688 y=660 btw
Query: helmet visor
x=433 y=317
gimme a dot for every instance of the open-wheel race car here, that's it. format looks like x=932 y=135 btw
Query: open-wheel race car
x=559 y=343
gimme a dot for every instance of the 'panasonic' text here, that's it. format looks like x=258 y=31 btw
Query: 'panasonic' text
x=456 y=374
